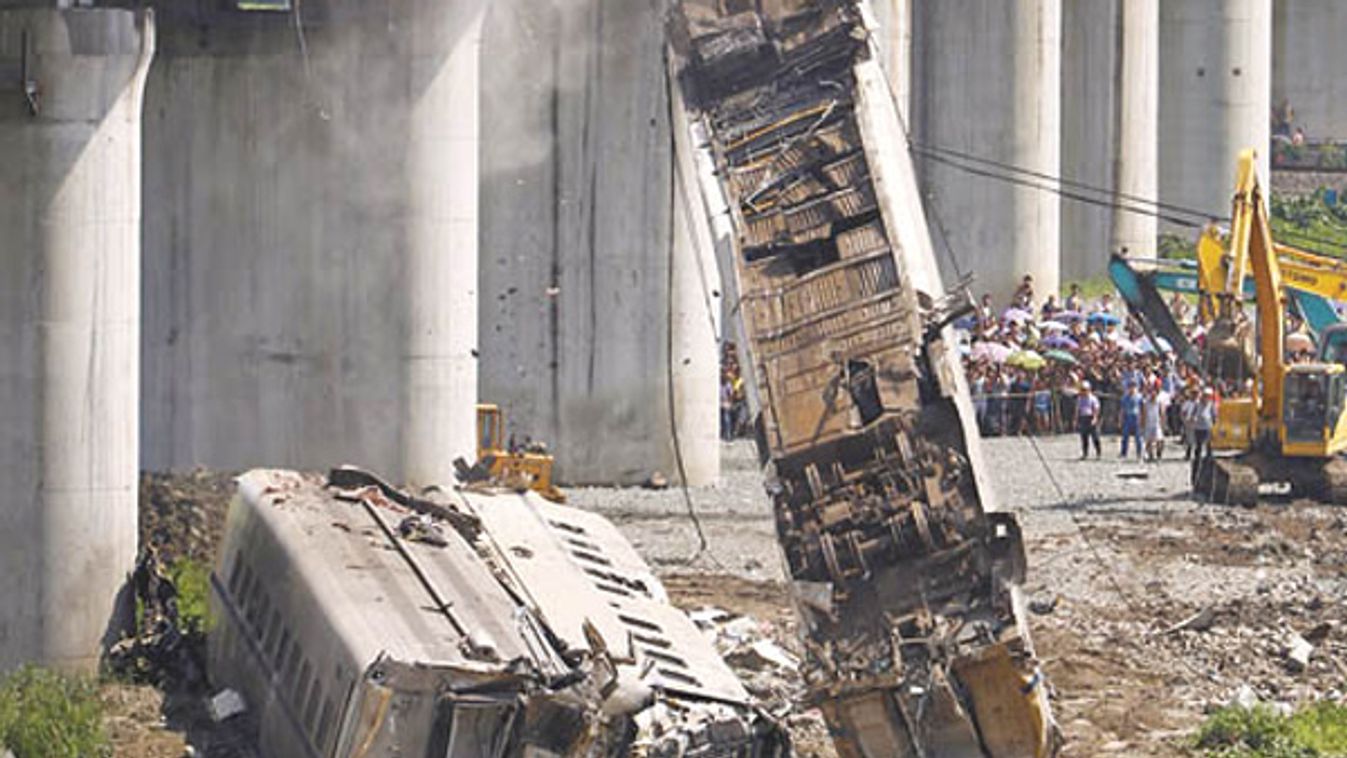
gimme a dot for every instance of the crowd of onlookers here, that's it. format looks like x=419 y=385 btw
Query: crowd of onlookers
x=1055 y=365
x=1045 y=366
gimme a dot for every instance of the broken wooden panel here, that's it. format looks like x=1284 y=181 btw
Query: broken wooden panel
x=904 y=584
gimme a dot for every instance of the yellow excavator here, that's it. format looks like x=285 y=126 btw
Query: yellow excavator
x=500 y=463
x=1289 y=425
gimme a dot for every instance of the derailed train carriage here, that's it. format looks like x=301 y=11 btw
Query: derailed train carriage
x=916 y=644
x=361 y=622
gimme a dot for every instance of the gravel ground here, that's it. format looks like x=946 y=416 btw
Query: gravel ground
x=1120 y=556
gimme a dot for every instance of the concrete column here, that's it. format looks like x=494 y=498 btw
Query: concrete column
x=1308 y=60
x=442 y=169
x=1215 y=97
x=69 y=328
x=1091 y=67
x=576 y=221
x=695 y=296
x=990 y=81
x=311 y=265
x=1138 y=126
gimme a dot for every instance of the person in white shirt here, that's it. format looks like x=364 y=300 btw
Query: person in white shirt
x=1152 y=423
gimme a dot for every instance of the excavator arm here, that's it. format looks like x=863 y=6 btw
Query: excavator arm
x=1251 y=244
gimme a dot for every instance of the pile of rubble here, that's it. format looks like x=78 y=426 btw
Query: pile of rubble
x=765 y=657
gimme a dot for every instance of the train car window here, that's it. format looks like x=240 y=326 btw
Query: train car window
x=273 y=634
x=235 y=575
x=252 y=597
x=245 y=598
x=324 y=737
x=292 y=662
x=311 y=710
x=282 y=650
x=263 y=608
x=302 y=685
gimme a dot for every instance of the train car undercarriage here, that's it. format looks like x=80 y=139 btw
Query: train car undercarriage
x=907 y=588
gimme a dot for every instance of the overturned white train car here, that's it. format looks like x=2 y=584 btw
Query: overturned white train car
x=903 y=574
x=359 y=621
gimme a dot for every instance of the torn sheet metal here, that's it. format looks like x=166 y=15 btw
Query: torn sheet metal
x=363 y=621
x=906 y=584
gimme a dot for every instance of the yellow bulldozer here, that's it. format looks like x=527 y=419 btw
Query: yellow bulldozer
x=501 y=463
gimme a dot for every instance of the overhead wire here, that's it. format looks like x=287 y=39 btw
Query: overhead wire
x=1071 y=189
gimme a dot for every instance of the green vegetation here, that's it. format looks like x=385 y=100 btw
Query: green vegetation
x=1091 y=288
x=192 y=578
x=1318 y=731
x=1308 y=222
x=1177 y=247
x=44 y=714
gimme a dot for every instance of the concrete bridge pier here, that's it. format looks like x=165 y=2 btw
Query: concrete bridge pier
x=70 y=207
x=1215 y=98
x=442 y=166
x=311 y=254
x=986 y=94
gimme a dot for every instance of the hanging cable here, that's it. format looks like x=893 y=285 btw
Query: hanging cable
x=703 y=545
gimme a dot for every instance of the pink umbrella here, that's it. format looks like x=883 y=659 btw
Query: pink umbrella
x=990 y=351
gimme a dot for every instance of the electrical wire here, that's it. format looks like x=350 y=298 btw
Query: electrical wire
x=1169 y=208
x=1068 y=194
x=1009 y=172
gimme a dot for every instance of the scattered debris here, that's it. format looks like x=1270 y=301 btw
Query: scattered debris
x=1044 y=607
x=225 y=704
x=1198 y=622
x=1319 y=632
x=159 y=651
x=761 y=655
x=1245 y=698
x=1298 y=652
x=421 y=528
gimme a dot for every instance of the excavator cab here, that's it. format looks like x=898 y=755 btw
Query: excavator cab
x=1333 y=345
x=1312 y=409
x=490 y=431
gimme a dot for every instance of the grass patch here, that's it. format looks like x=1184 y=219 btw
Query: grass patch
x=1318 y=731
x=192 y=578
x=44 y=714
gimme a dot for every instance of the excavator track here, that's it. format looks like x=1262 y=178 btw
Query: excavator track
x=1325 y=483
